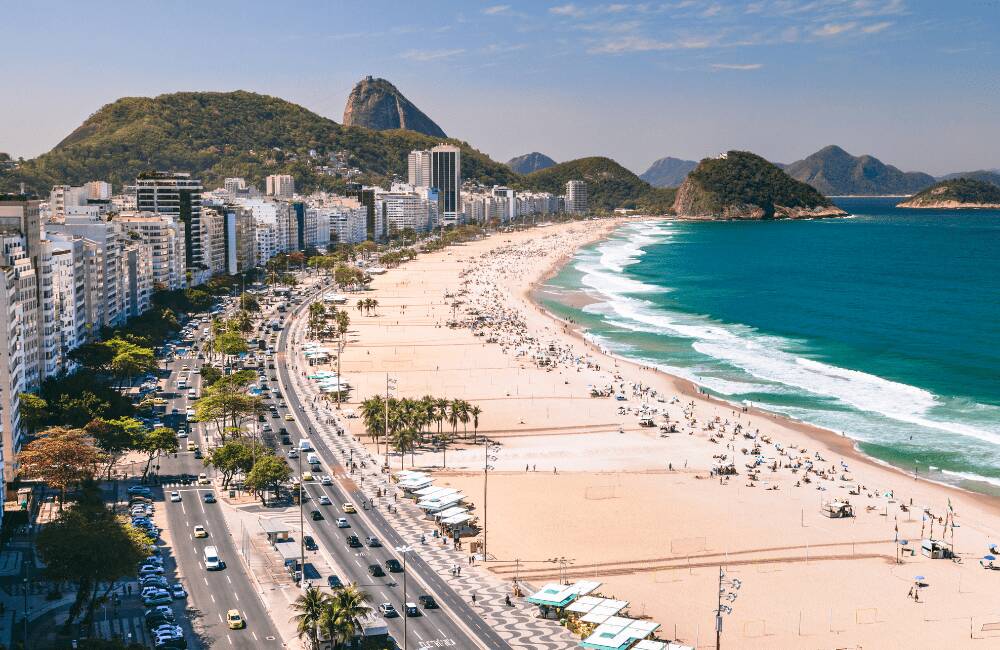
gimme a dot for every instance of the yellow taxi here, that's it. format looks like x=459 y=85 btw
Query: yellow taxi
x=349 y=508
x=307 y=476
x=192 y=445
x=234 y=620
x=199 y=531
x=288 y=416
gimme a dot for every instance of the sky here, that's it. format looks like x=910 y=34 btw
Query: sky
x=914 y=82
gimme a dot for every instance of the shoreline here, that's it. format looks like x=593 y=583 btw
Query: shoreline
x=840 y=443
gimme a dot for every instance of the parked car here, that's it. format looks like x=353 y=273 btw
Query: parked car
x=334 y=582
x=310 y=543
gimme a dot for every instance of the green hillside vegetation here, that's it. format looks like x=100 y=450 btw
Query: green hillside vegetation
x=984 y=175
x=744 y=178
x=961 y=190
x=217 y=135
x=609 y=185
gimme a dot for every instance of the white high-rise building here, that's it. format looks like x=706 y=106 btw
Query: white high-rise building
x=177 y=195
x=419 y=169
x=11 y=373
x=281 y=186
x=164 y=235
x=576 y=197
x=98 y=190
x=63 y=196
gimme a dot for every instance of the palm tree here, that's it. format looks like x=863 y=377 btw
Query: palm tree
x=343 y=322
x=361 y=305
x=475 y=412
x=373 y=415
x=340 y=618
x=463 y=417
x=311 y=607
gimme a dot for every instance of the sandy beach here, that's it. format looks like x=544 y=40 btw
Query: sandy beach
x=643 y=509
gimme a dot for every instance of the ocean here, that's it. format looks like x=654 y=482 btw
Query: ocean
x=884 y=326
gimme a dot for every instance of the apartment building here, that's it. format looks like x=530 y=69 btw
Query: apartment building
x=11 y=373
x=178 y=195
x=280 y=186
x=576 y=197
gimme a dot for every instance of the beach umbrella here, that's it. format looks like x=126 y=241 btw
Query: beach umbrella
x=991 y=558
x=920 y=578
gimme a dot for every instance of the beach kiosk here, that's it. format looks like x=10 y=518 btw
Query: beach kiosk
x=618 y=633
x=837 y=509
x=555 y=596
x=936 y=549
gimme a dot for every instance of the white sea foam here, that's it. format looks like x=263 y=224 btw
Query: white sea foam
x=769 y=358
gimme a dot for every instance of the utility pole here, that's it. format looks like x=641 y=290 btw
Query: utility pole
x=302 y=528
x=487 y=447
x=404 y=550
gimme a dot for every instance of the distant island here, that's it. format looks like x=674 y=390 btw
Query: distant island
x=956 y=193
x=742 y=185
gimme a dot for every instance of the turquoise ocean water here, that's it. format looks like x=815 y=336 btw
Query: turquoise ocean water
x=884 y=326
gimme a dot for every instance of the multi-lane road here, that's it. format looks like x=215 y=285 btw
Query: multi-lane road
x=210 y=593
x=456 y=624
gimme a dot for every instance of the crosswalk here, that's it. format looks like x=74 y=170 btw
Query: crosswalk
x=129 y=628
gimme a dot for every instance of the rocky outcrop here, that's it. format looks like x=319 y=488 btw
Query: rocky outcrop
x=378 y=105
x=957 y=193
x=742 y=185
x=530 y=162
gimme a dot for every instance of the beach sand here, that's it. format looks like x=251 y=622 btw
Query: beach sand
x=600 y=490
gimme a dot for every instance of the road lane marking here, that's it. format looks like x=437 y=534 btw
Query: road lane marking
x=229 y=579
x=212 y=596
x=236 y=595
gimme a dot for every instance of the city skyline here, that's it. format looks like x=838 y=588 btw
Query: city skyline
x=631 y=81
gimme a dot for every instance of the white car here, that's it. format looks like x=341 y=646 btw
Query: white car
x=343 y=523
x=326 y=480
x=182 y=434
x=324 y=500
x=175 y=496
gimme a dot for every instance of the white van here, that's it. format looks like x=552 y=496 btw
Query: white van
x=313 y=459
x=304 y=445
x=212 y=561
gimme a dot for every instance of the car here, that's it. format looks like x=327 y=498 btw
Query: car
x=373 y=541
x=316 y=515
x=353 y=541
x=387 y=610
x=274 y=413
x=189 y=414
x=197 y=452
x=348 y=508
x=310 y=543
x=191 y=445
x=160 y=610
x=324 y=500
x=234 y=620
x=393 y=565
x=326 y=480
x=182 y=433
x=177 y=591
x=307 y=476
x=286 y=440
x=161 y=597
x=375 y=570
x=204 y=480
x=156 y=582
x=175 y=496
x=288 y=417
x=343 y=523
x=293 y=453
x=140 y=490
x=156 y=620
x=208 y=497
x=150 y=569
x=411 y=609
x=199 y=531
x=334 y=582
x=427 y=602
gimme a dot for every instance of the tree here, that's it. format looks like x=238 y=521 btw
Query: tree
x=339 y=620
x=115 y=437
x=343 y=322
x=153 y=443
x=87 y=545
x=232 y=457
x=310 y=608
x=268 y=473
x=249 y=302
x=129 y=360
x=209 y=374
x=34 y=411
x=475 y=412
x=61 y=458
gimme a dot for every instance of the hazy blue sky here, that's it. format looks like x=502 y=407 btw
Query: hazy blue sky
x=914 y=82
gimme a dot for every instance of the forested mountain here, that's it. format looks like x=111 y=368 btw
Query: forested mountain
x=609 y=185
x=833 y=171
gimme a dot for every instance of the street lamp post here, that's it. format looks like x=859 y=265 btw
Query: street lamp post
x=302 y=528
x=727 y=589
x=389 y=385
x=487 y=448
x=403 y=551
